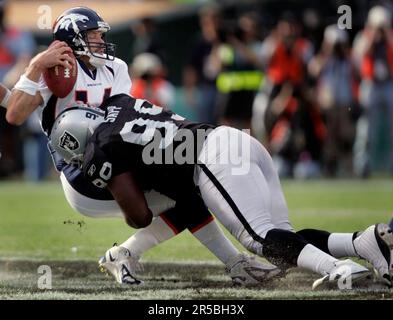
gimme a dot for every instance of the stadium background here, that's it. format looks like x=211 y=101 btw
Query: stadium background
x=177 y=22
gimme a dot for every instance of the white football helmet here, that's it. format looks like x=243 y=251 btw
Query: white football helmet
x=72 y=129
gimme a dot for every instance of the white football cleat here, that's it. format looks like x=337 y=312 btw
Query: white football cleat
x=344 y=274
x=246 y=270
x=375 y=245
x=122 y=265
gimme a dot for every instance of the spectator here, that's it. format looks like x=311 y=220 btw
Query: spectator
x=373 y=55
x=35 y=153
x=292 y=124
x=332 y=69
x=16 y=49
x=205 y=63
x=241 y=75
x=149 y=82
x=187 y=96
x=146 y=38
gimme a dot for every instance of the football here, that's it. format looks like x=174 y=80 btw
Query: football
x=61 y=80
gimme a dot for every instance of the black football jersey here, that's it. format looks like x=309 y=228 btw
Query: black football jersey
x=143 y=138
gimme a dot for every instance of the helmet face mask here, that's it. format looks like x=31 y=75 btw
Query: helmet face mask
x=98 y=52
x=77 y=160
x=72 y=27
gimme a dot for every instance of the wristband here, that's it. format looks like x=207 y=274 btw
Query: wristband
x=26 y=85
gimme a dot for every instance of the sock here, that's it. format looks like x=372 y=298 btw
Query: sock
x=211 y=236
x=318 y=238
x=144 y=239
x=316 y=260
x=341 y=245
x=283 y=247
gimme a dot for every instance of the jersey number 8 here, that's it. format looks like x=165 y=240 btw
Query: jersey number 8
x=105 y=175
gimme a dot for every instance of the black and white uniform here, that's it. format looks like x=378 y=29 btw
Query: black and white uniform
x=240 y=185
x=242 y=191
x=92 y=88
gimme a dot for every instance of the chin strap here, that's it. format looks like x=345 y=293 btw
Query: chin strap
x=95 y=61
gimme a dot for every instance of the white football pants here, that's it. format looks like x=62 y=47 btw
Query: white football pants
x=90 y=207
x=240 y=186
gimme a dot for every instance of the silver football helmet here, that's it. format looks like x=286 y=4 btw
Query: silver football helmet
x=72 y=129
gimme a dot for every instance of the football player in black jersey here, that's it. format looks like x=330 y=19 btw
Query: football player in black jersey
x=137 y=146
x=122 y=260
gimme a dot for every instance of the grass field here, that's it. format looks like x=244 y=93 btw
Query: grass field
x=38 y=228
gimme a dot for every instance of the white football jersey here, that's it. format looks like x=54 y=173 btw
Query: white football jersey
x=90 y=87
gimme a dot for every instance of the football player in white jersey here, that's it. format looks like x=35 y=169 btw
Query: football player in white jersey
x=82 y=31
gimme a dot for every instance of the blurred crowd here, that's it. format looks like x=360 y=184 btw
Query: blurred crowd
x=321 y=105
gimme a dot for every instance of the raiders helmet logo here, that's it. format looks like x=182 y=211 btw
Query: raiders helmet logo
x=68 y=142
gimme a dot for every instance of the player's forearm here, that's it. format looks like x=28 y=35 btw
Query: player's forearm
x=25 y=97
x=35 y=69
x=20 y=106
x=136 y=215
x=131 y=200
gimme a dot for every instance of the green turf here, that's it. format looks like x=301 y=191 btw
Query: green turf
x=37 y=227
x=37 y=223
x=172 y=281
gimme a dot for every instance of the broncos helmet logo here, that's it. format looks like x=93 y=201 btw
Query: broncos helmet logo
x=70 y=19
